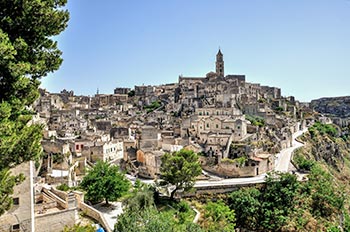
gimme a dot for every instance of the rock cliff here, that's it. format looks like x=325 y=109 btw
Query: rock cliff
x=336 y=106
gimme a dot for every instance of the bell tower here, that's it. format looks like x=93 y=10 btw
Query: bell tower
x=220 y=64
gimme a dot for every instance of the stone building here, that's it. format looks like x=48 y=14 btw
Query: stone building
x=21 y=216
x=106 y=151
x=149 y=163
x=121 y=90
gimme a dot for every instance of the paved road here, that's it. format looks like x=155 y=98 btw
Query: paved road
x=283 y=158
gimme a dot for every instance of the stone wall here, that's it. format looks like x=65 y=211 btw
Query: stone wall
x=93 y=213
x=56 y=221
x=60 y=193
x=228 y=169
x=61 y=202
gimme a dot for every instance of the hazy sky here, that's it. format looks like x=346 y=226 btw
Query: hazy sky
x=301 y=46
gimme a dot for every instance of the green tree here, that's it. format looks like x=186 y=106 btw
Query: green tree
x=246 y=205
x=105 y=181
x=142 y=197
x=27 y=53
x=180 y=169
x=269 y=207
x=7 y=182
x=278 y=199
x=219 y=217
x=149 y=220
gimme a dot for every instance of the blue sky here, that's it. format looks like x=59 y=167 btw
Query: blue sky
x=301 y=46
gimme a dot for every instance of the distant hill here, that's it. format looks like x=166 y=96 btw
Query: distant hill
x=336 y=106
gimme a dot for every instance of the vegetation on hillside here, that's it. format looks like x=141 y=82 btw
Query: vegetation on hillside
x=268 y=207
x=323 y=129
x=153 y=106
x=143 y=212
x=326 y=155
x=320 y=203
x=255 y=120
x=218 y=217
x=80 y=228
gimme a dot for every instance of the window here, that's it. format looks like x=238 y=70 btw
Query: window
x=207 y=113
x=208 y=125
x=81 y=146
x=200 y=113
x=15 y=227
x=16 y=201
x=217 y=126
x=77 y=147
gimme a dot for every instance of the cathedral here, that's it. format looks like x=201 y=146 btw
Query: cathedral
x=218 y=75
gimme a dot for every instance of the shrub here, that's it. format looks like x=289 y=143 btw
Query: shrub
x=63 y=187
x=303 y=163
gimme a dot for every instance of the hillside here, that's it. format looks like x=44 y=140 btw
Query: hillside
x=326 y=157
x=336 y=106
x=320 y=203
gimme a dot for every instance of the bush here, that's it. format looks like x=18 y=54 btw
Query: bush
x=63 y=187
x=255 y=120
x=303 y=163
x=323 y=129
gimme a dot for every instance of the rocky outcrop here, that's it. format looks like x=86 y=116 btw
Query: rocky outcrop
x=335 y=106
x=322 y=147
x=329 y=151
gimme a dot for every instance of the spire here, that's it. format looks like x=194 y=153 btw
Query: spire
x=219 y=52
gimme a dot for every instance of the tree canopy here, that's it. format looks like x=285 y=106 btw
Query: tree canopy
x=105 y=182
x=27 y=53
x=180 y=169
x=150 y=219
x=142 y=214
x=141 y=197
x=219 y=217
x=267 y=208
x=284 y=204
